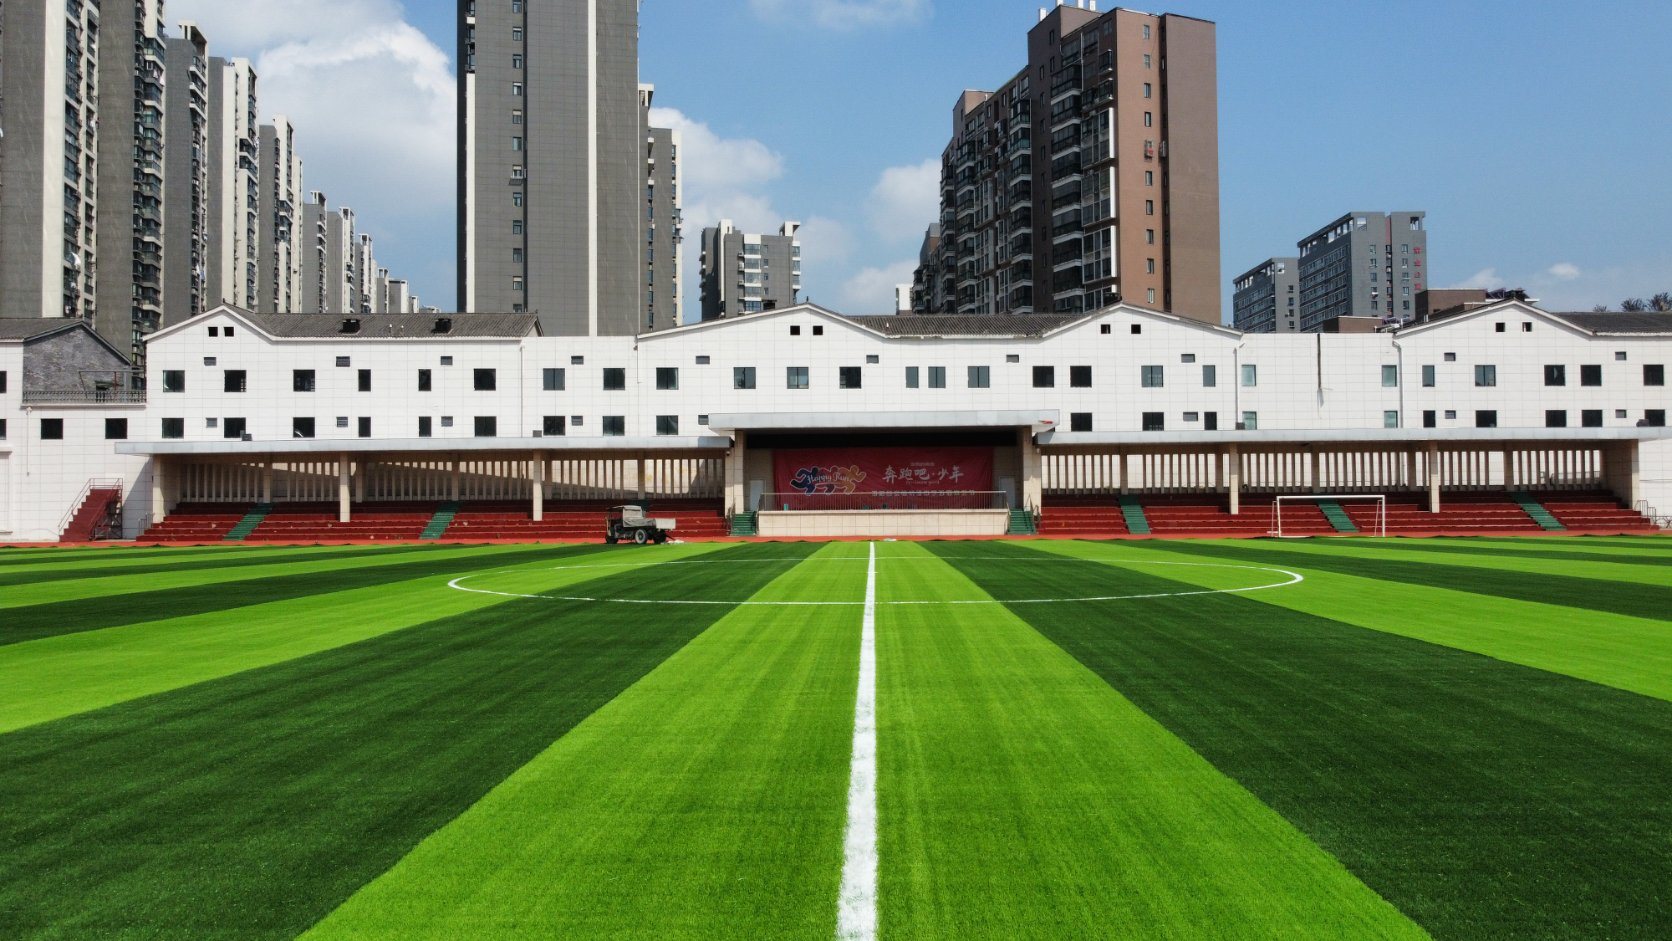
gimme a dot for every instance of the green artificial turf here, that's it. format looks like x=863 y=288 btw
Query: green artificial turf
x=705 y=802
x=1021 y=797
x=251 y=806
x=1484 y=799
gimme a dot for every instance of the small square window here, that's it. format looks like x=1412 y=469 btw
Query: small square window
x=174 y=380
x=1498 y=328
x=577 y=360
x=1137 y=329
x=849 y=377
x=552 y=426
x=795 y=377
x=615 y=426
x=446 y=421
x=1555 y=418
x=342 y=421
x=1012 y=357
x=702 y=420
x=667 y=425
x=615 y=380
x=173 y=428
x=1079 y=377
x=1654 y=375
x=1620 y=413
x=446 y=360
x=795 y=330
x=702 y=361
x=1527 y=327
x=1451 y=414
x=1079 y=421
x=553 y=380
x=1620 y=357
x=1106 y=329
x=667 y=379
x=743 y=377
x=1486 y=418
x=486 y=380
x=486 y=426
x=116 y=429
x=343 y=362
x=818 y=331
x=302 y=428
x=1590 y=375
x=872 y=359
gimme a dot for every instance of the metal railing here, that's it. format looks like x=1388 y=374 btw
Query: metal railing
x=97 y=483
x=885 y=500
x=85 y=397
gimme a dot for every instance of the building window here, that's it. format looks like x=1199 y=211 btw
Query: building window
x=1555 y=375
x=301 y=427
x=364 y=427
x=1390 y=377
x=552 y=426
x=1137 y=329
x=1451 y=414
x=1149 y=207
x=1250 y=377
x=615 y=379
x=1079 y=421
x=703 y=361
x=849 y=377
x=980 y=377
x=1079 y=377
x=937 y=377
x=1106 y=329
x=446 y=421
x=818 y=330
x=1652 y=376
x=486 y=380
x=2 y=429
x=1250 y=421
x=365 y=378
x=116 y=429
x=1590 y=375
x=667 y=379
x=344 y=362
x=1210 y=377
x=1486 y=376
x=446 y=360
x=1498 y=328
x=424 y=381
x=667 y=425
x=1655 y=418
x=1155 y=421
x=52 y=429
x=1428 y=377
x=1555 y=418
x=911 y=377
x=302 y=380
x=795 y=331
x=1429 y=419
x=1486 y=419
x=1153 y=377
x=1044 y=377
x=795 y=377
x=174 y=380
x=743 y=377
x=174 y=428
x=1187 y=358
x=237 y=380
x=233 y=428
x=615 y=426
x=1451 y=357
x=1390 y=419
x=553 y=380
x=873 y=359
x=426 y=427
x=487 y=426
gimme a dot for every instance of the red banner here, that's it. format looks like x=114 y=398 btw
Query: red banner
x=883 y=470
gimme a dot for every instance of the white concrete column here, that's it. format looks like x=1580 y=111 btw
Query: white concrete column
x=344 y=514
x=1033 y=484
x=1125 y=473
x=159 y=489
x=642 y=487
x=1433 y=477
x=537 y=487
x=1233 y=477
x=1622 y=468
x=453 y=488
x=1317 y=470
x=1508 y=459
x=267 y=482
x=736 y=463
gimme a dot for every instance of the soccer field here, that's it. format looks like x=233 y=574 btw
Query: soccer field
x=1271 y=739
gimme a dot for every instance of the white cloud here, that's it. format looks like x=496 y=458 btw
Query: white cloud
x=871 y=290
x=709 y=161
x=845 y=14
x=1565 y=271
x=1484 y=279
x=824 y=242
x=251 y=25
x=905 y=201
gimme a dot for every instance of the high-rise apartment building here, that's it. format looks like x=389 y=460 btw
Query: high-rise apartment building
x=314 y=254
x=932 y=285
x=1267 y=298
x=551 y=163
x=186 y=170
x=663 y=225
x=49 y=158
x=1364 y=264
x=1092 y=175
x=279 y=228
x=365 y=274
x=341 y=295
x=233 y=269
x=129 y=301
x=744 y=273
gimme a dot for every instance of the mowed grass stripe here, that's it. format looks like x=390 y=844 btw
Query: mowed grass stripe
x=705 y=802
x=1484 y=799
x=1435 y=552
x=23 y=561
x=91 y=570
x=1021 y=797
x=254 y=805
x=54 y=677
x=1627 y=653
x=228 y=589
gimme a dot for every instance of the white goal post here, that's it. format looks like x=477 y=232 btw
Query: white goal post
x=1379 y=526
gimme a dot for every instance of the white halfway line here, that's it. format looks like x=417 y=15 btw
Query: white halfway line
x=856 y=908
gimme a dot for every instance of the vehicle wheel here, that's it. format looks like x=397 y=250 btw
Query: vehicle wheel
x=661 y=538
x=640 y=537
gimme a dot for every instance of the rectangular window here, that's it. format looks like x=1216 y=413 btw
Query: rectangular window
x=446 y=421
x=553 y=380
x=981 y=377
x=1486 y=419
x=1079 y=377
x=1555 y=418
x=1390 y=377
x=1250 y=377
x=1044 y=377
x=301 y=427
x=1079 y=421
x=424 y=380
x=365 y=380
x=873 y=359
x=937 y=377
x=426 y=427
x=174 y=428
x=849 y=377
x=615 y=426
x=667 y=379
x=1155 y=421
x=487 y=426
x=1590 y=375
x=2 y=429
x=343 y=362
x=302 y=380
x=615 y=379
x=1250 y=421
x=1591 y=418
x=174 y=380
x=667 y=425
x=1652 y=376
x=116 y=429
x=1655 y=418
x=233 y=428
x=1428 y=377
x=1210 y=377
x=795 y=377
x=1555 y=375
x=911 y=377
x=1429 y=419
x=1152 y=377
x=552 y=426
x=1486 y=376
x=743 y=377
x=236 y=380
x=486 y=380
x=52 y=429
x=364 y=427
x=1390 y=419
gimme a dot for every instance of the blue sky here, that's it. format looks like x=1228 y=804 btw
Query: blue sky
x=1536 y=141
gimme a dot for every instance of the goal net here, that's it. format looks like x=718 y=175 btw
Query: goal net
x=1291 y=516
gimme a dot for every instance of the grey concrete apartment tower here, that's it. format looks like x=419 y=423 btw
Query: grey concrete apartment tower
x=1364 y=264
x=1091 y=176
x=365 y=274
x=314 y=254
x=131 y=185
x=664 y=231
x=1267 y=297
x=49 y=158
x=551 y=166
x=744 y=273
x=279 y=228
x=186 y=169
x=232 y=273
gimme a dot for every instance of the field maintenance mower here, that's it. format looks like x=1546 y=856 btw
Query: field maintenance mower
x=629 y=524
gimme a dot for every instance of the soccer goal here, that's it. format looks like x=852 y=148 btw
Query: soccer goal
x=1331 y=504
